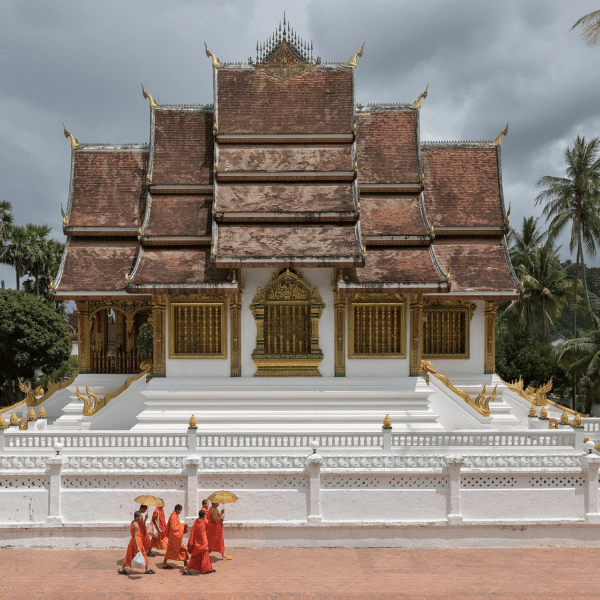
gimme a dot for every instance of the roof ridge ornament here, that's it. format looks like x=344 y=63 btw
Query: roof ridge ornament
x=64 y=217
x=498 y=140
x=148 y=97
x=351 y=64
x=215 y=60
x=74 y=143
x=417 y=103
x=507 y=220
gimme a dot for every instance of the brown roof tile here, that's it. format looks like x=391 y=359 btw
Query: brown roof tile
x=316 y=102
x=169 y=266
x=174 y=215
x=386 y=144
x=386 y=214
x=291 y=197
x=401 y=265
x=108 y=187
x=96 y=264
x=285 y=157
x=477 y=264
x=183 y=147
x=285 y=241
x=462 y=186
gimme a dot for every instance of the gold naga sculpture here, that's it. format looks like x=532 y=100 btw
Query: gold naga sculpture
x=507 y=220
x=351 y=64
x=215 y=60
x=498 y=140
x=64 y=217
x=417 y=102
x=88 y=405
x=31 y=394
x=148 y=97
x=74 y=142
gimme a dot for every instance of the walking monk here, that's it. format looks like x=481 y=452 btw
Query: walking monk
x=198 y=547
x=216 y=543
x=144 y=530
x=136 y=544
x=175 y=548
x=159 y=539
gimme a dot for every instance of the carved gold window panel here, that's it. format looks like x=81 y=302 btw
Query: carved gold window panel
x=446 y=330
x=377 y=326
x=198 y=329
x=287 y=328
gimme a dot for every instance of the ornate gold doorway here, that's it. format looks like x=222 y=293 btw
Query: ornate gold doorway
x=287 y=316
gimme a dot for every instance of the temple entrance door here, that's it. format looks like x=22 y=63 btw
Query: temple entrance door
x=287 y=316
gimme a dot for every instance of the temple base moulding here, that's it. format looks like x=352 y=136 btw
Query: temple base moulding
x=287 y=365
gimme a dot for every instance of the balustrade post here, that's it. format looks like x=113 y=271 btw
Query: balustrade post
x=387 y=438
x=454 y=464
x=592 y=512
x=192 y=463
x=579 y=431
x=314 y=462
x=2 y=430
x=193 y=438
x=54 y=471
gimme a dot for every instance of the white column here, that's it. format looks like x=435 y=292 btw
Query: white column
x=579 y=431
x=454 y=464
x=191 y=464
x=314 y=462
x=592 y=513
x=387 y=438
x=54 y=471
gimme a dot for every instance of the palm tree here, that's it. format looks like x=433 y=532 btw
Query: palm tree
x=39 y=258
x=575 y=199
x=524 y=242
x=590 y=25
x=546 y=289
x=18 y=252
x=6 y=221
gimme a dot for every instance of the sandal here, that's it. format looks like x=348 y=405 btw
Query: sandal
x=168 y=567
x=228 y=558
x=122 y=572
x=185 y=573
x=150 y=572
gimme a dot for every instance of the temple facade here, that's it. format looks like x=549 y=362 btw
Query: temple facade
x=286 y=230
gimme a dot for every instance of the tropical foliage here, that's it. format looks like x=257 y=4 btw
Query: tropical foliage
x=590 y=27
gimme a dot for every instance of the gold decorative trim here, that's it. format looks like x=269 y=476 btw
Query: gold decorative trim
x=284 y=64
x=416 y=338
x=235 y=316
x=378 y=330
x=481 y=403
x=198 y=327
x=339 y=319
x=447 y=332
x=489 y=360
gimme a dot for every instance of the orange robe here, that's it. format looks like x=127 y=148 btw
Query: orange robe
x=132 y=549
x=145 y=537
x=197 y=547
x=216 y=543
x=159 y=540
x=175 y=530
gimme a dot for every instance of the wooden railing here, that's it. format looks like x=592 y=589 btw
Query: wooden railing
x=121 y=362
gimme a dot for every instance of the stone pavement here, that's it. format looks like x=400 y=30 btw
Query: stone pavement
x=464 y=574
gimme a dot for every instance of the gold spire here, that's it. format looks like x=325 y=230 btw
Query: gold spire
x=74 y=142
x=32 y=416
x=564 y=418
x=215 y=60
x=417 y=103
x=148 y=97
x=193 y=423
x=352 y=62
x=543 y=413
x=577 y=422
x=42 y=414
x=14 y=420
x=532 y=412
x=3 y=423
x=498 y=140
x=387 y=422
x=62 y=212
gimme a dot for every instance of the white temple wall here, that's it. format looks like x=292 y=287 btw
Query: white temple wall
x=322 y=279
x=476 y=361
x=201 y=367
x=24 y=506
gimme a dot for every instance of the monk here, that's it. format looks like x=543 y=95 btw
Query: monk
x=175 y=532
x=198 y=547
x=136 y=544
x=145 y=537
x=159 y=539
x=216 y=543
x=205 y=505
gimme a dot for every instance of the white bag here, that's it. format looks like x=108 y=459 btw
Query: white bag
x=151 y=530
x=138 y=560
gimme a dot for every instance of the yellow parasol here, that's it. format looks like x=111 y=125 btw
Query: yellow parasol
x=150 y=501
x=223 y=497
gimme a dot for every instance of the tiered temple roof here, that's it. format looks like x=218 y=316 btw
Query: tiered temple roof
x=286 y=170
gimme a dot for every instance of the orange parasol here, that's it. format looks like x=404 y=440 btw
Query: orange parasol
x=150 y=501
x=222 y=497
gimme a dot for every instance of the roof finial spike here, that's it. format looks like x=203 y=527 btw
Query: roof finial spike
x=498 y=140
x=284 y=19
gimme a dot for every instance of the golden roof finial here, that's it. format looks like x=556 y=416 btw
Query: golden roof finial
x=448 y=270
x=42 y=414
x=387 y=422
x=215 y=60
x=51 y=284
x=148 y=97
x=543 y=413
x=422 y=175
x=522 y=284
x=125 y=271
x=498 y=140
x=577 y=422
x=14 y=420
x=532 y=412
x=417 y=103
x=32 y=416
x=148 y=177
x=62 y=212
x=364 y=246
x=564 y=418
x=352 y=62
x=3 y=423
x=74 y=142
x=507 y=220
x=193 y=423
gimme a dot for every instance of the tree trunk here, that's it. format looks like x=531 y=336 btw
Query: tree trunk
x=581 y=261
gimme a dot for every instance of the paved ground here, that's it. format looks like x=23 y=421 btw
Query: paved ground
x=519 y=574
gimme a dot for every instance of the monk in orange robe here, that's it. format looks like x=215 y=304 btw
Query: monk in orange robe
x=216 y=543
x=205 y=508
x=198 y=547
x=144 y=530
x=136 y=544
x=159 y=539
x=175 y=531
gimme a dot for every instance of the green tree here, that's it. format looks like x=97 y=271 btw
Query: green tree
x=33 y=337
x=590 y=26
x=575 y=200
x=145 y=339
x=523 y=242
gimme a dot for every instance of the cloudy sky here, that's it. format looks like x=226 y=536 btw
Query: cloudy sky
x=81 y=63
